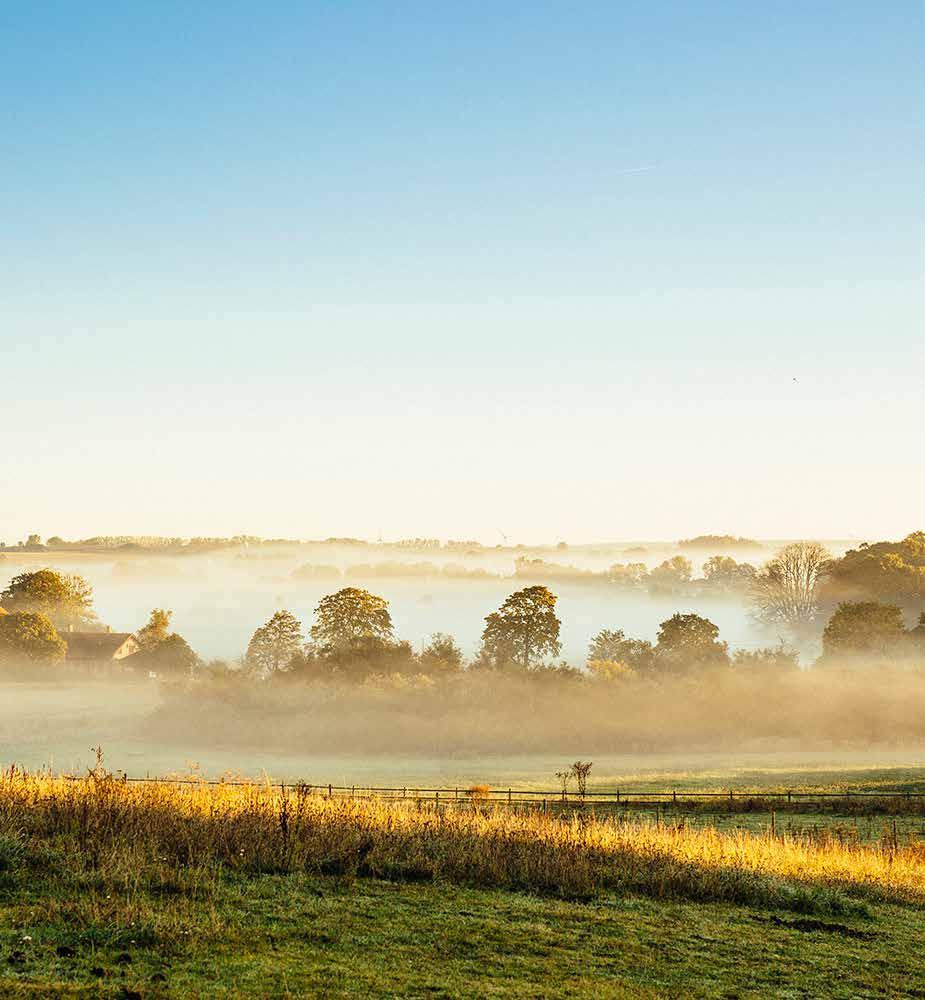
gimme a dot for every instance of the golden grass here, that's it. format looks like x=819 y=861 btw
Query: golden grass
x=267 y=828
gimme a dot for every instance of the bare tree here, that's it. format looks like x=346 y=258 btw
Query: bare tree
x=785 y=590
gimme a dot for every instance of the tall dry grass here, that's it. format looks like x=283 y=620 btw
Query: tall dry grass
x=267 y=828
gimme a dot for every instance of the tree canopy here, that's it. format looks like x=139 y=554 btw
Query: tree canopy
x=274 y=645
x=27 y=636
x=523 y=630
x=688 y=640
x=348 y=616
x=66 y=600
x=864 y=627
x=163 y=652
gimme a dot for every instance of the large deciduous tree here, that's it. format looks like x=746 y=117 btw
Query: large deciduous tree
x=29 y=637
x=163 y=652
x=785 y=590
x=350 y=616
x=686 y=641
x=274 y=645
x=864 y=628
x=66 y=600
x=523 y=630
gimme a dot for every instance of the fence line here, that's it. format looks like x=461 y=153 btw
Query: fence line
x=523 y=796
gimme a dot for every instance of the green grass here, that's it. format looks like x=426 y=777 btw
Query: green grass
x=209 y=933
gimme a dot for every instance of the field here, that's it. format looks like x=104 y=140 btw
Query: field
x=142 y=889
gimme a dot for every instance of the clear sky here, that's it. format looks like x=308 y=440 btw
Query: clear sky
x=563 y=270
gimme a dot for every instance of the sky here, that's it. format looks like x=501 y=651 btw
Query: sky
x=578 y=271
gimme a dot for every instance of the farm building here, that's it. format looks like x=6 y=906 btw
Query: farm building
x=98 y=649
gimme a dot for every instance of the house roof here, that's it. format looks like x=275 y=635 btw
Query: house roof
x=94 y=645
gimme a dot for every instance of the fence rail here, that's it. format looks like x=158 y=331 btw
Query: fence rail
x=531 y=796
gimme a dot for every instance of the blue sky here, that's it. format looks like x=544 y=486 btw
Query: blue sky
x=453 y=269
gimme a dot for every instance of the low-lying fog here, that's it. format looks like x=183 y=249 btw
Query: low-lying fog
x=219 y=599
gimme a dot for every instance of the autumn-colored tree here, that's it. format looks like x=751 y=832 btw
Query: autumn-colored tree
x=725 y=573
x=29 y=637
x=686 y=641
x=612 y=646
x=163 y=652
x=671 y=573
x=274 y=645
x=66 y=600
x=864 y=628
x=523 y=630
x=350 y=615
x=156 y=630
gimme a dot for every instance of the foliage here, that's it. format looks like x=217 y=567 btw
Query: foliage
x=724 y=573
x=612 y=671
x=885 y=571
x=718 y=542
x=785 y=590
x=351 y=616
x=611 y=645
x=864 y=627
x=273 y=645
x=687 y=641
x=172 y=656
x=628 y=574
x=163 y=652
x=31 y=637
x=64 y=599
x=671 y=574
x=523 y=630
x=772 y=659
x=441 y=654
x=156 y=630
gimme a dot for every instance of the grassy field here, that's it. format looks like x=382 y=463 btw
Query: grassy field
x=116 y=890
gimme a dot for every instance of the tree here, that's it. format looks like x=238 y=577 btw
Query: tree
x=672 y=573
x=627 y=574
x=65 y=600
x=725 y=573
x=523 y=630
x=612 y=646
x=864 y=627
x=163 y=652
x=156 y=630
x=441 y=654
x=274 y=645
x=29 y=636
x=883 y=571
x=785 y=591
x=686 y=641
x=171 y=656
x=348 y=616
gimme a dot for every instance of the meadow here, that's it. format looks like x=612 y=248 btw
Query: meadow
x=117 y=888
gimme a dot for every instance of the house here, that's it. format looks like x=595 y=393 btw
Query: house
x=99 y=649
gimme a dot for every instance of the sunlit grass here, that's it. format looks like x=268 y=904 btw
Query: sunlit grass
x=271 y=828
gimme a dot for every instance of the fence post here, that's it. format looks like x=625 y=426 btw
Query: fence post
x=330 y=791
x=509 y=796
x=788 y=795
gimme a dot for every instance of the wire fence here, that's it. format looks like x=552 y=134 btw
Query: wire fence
x=730 y=799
